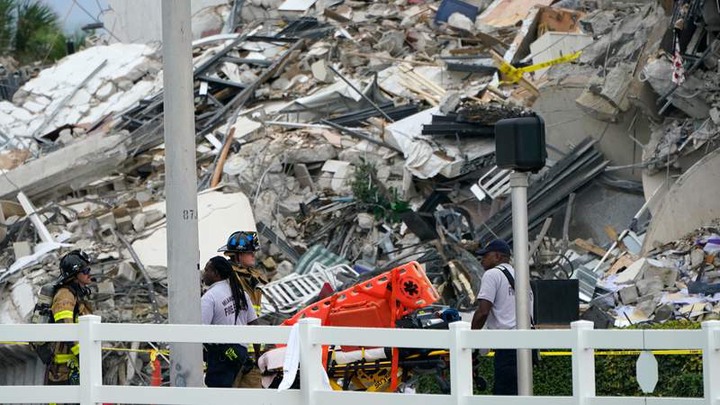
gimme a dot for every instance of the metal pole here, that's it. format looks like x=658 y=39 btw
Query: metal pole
x=518 y=186
x=181 y=189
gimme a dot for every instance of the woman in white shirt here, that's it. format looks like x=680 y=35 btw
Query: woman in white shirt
x=224 y=303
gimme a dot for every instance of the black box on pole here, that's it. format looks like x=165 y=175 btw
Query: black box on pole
x=520 y=144
x=556 y=302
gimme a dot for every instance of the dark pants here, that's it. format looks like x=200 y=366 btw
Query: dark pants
x=67 y=382
x=221 y=371
x=505 y=373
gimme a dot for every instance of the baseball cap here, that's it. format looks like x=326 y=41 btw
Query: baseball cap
x=497 y=245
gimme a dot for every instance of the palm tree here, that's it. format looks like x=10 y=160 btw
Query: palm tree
x=30 y=31
x=6 y=25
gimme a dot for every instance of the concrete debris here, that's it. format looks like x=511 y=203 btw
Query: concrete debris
x=351 y=137
x=675 y=280
x=37 y=106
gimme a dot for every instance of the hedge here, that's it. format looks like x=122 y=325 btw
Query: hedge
x=679 y=375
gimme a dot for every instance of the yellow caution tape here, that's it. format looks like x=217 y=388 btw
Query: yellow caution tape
x=513 y=74
x=635 y=352
x=153 y=357
x=150 y=351
x=108 y=349
x=153 y=353
x=623 y=353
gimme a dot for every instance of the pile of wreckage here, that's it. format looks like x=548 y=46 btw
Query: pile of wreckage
x=358 y=149
x=676 y=280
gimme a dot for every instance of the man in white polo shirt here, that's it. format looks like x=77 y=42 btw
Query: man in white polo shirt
x=496 y=310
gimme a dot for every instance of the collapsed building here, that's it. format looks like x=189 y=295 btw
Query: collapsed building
x=352 y=150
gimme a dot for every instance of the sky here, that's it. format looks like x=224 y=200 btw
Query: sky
x=77 y=17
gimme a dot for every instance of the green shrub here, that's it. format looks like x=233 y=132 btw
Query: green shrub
x=678 y=375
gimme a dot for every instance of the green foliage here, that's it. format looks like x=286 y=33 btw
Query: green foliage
x=372 y=197
x=30 y=31
x=679 y=375
x=6 y=25
x=78 y=38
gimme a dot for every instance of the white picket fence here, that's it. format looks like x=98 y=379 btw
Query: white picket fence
x=582 y=339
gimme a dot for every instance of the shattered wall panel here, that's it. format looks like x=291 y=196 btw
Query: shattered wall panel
x=691 y=202
x=219 y=215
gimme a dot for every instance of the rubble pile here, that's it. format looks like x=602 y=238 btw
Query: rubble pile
x=71 y=97
x=357 y=136
x=677 y=280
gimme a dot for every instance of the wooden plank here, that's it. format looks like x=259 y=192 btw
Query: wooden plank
x=622 y=262
x=614 y=236
x=611 y=232
x=589 y=247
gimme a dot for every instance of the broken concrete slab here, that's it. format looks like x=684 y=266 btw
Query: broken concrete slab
x=77 y=86
x=126 y=271
x=462 y=22
x=697 y=257
x=219 y=215
x=321 y=72
x=657 y=270
x=60 y=172
x=649 y=286
x=124 y=224
x=22 y=248
x=646 y=305
x=340 y=173
x=553 y=45
x=659 y=72
x=313 y=153
x=632 y=272
x=681 y=210
x=616 y=84
x=365 y=220
x=106 y=288
x=505 y=13
x=106 y=221
x=23 y=297
x=426 y=157
x=628 y=295
x=597 y=107
x=139 y=221
x=302 y=174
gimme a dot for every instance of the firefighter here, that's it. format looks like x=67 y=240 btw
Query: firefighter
x=69 y=302
x=224 y=303
x=240 y=250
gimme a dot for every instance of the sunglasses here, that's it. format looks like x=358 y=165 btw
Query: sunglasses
x=85 y=271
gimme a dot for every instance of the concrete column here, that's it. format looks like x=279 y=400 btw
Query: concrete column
x=181 y=189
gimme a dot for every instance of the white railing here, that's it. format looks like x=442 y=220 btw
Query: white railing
x=460 y=340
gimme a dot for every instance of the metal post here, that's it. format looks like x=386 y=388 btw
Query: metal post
x=181 y=189
x=518 y=187
x=40 y=227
